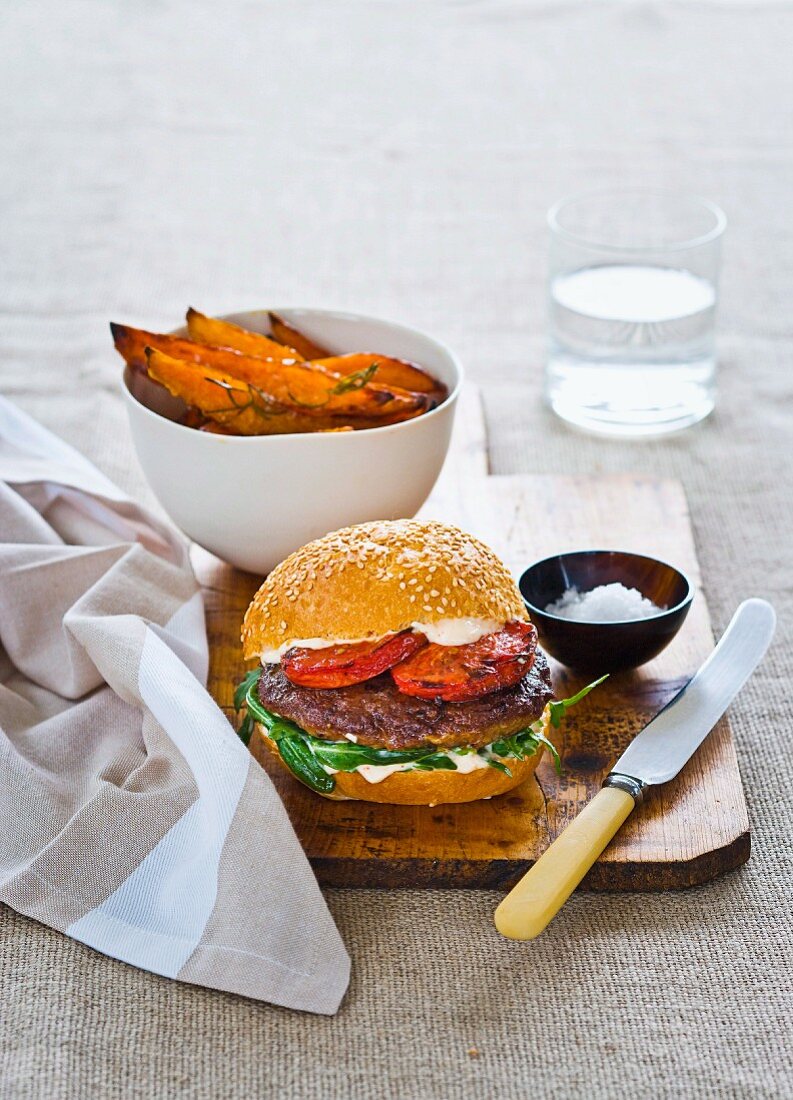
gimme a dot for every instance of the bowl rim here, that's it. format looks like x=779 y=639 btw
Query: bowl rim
x=247 y=440
x=665 y=613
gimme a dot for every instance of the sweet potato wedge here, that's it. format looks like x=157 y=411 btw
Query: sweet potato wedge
x=303 y=388
x=226 y=401
x=263 y=398
x=390 y=372
x=284 y=333
x=222 y=334
x=131 y=344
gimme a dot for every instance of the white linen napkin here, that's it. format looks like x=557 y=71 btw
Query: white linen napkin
x=133 y=818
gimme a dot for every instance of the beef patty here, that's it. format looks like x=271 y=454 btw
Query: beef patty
x=376 y=713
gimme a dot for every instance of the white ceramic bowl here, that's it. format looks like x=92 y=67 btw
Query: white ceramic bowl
x=254 y=499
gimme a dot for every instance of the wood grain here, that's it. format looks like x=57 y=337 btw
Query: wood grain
x=687 y=832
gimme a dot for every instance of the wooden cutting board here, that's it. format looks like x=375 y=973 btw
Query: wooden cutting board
x=686 y=832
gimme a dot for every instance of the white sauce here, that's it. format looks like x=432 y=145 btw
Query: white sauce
x=376 y=773
x=457 y=631
x=468 y=761
x=465 y=762
x=443 y=632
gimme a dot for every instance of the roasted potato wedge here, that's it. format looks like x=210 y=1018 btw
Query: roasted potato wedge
x=131 y=344
x=237 y=381
x=231 y=404
x=222 y=334
x=263 y=398
x=389 y=372
x=284 y=333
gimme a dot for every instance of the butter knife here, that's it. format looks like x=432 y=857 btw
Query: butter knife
x=654 y=756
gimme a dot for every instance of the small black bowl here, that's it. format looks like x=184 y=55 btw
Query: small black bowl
x=611 y=646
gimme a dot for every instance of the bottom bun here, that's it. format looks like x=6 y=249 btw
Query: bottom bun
x=431 y=788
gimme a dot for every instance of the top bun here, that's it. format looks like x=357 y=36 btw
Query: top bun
x=375 y=579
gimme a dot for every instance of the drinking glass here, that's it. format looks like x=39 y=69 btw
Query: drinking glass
x=633 y=286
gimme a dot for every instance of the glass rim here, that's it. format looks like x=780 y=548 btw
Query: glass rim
x=556 y=228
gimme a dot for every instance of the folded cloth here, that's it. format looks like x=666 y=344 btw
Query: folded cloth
x=133 y=818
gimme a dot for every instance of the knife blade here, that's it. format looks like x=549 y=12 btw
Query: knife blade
x=666 y=743
x=654 y=756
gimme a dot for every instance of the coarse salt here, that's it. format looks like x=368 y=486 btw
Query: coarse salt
x=608 y=603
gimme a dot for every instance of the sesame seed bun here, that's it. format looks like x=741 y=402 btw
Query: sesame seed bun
x=375 y=579
x=431 y=788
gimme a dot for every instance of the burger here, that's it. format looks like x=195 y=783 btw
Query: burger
x=396 y=663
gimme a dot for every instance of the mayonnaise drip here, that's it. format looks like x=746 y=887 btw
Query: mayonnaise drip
x=465 y=762
x=443 y=632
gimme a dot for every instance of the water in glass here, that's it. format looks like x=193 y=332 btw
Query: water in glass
x=631 y=345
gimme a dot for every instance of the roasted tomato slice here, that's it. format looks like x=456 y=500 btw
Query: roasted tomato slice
x=456 y=673
x=340 y=665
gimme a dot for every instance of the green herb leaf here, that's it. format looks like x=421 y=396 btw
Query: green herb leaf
x=357 y=380
x=543 y=740
x=559 y=707
x=243 y=687
x=345 y=756
x=258 y=712
x=499 y=766
x=438 y=761
x=300 y=760
x=259 y=402
x=245 y=729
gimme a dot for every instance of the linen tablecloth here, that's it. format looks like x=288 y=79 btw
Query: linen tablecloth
x=397 y=158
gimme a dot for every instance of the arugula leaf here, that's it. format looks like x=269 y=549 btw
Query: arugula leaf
x=242 y=688
x=437 y=761
x=346 y=756
x=543 y=740
x=300 y=760
x=259 y=714
x=245 y=729
x=559 y=707
x=499 y=766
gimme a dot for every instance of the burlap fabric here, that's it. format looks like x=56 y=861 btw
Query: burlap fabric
x=397 y=158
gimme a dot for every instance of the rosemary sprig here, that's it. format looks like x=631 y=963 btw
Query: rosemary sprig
x=357 y=380
x=351 y=382
x=259 y=402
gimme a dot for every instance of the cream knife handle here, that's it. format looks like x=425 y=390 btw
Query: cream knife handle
x=531 y=905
